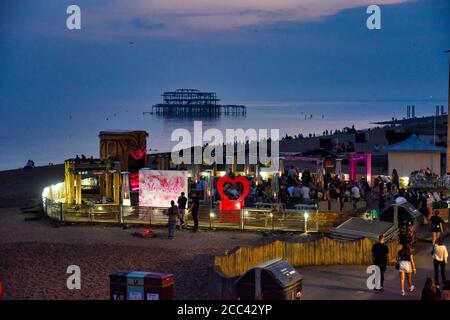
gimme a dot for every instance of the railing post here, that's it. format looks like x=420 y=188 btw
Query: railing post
x=271 y=217
x=120 y=214
x=61 y=214
x=241 y=225
x=210 y=222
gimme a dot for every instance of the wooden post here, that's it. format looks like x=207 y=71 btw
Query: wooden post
x=78 y=189
x=69 y=183
x=102 y=185
x=108 y=193
x=116 y=187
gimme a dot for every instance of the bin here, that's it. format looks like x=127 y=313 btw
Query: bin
x=135 y=285
x=141 y=286
x=158 y=286
x=272 y=280
x=118 y=286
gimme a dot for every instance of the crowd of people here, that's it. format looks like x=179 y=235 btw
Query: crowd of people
x=291 y=188
x=427 y=178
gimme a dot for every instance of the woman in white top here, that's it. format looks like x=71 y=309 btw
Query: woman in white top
x=440 y=256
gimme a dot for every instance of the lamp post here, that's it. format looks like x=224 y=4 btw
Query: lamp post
x=448 y=115
x=306 y=215
x=125 y=192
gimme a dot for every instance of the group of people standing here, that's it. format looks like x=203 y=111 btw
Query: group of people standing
x=176 y=213
x=406 y=266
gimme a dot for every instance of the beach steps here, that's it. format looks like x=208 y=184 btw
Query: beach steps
x=33 y=207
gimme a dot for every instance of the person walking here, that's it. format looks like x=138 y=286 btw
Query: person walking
x=430 y=291
x=195 y=207
x=436 y=225
x=380 y=253
x=172 y=212
x=182 y=201
x=440 y=256
x=406 y=266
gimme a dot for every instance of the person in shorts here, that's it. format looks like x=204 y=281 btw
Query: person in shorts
x=436 y=225
x=406 y=266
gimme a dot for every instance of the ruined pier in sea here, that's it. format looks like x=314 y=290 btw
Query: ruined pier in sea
x=192 y=102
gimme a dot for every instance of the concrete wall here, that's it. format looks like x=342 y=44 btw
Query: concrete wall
x=406 y=162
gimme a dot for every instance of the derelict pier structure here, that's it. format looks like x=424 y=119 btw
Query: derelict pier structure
x=192 y=102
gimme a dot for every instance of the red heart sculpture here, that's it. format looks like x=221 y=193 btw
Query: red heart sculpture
x=226 y=203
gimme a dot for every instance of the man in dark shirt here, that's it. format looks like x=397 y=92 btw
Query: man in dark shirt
x=380 y=253
x=182 y=200
x=195 y=206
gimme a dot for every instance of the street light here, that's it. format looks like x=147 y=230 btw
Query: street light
x=448 y=115
x=306 y=215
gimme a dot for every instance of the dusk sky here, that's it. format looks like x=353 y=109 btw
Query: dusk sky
x=128 y=52
x=243 y=49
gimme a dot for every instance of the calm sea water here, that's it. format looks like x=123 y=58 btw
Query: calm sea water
x=53 y=136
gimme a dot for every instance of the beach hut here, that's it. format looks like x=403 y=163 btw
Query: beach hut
x=413 y=154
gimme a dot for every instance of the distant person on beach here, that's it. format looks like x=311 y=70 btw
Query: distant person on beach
x=436 y=225
x=29 y=165
x=430 y=291
x=195 y=207
x=406 y=266
x=182 y=200
x=380 y=252
x=440 y=256
x=172 y=213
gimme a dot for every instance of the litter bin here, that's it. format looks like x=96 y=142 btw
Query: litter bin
x=272 y=280
x=158 y=286
x=141 y=286
x=118 y=286
x=135 y=285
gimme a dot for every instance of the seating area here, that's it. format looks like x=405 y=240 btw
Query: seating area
x=347 y=206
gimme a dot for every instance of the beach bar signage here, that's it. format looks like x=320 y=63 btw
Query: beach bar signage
x=158 y=187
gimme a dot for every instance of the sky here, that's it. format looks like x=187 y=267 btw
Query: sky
x=128 y=52
x=131 y=51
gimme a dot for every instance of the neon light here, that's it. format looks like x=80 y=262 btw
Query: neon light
x=353 y=162
x=138 y=154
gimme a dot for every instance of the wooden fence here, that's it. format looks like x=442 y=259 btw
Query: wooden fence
x=315 y=253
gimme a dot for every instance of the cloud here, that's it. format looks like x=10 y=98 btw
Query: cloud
x=220 y=15
x=179 y=18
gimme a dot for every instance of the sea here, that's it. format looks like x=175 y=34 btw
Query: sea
x=51 y=136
